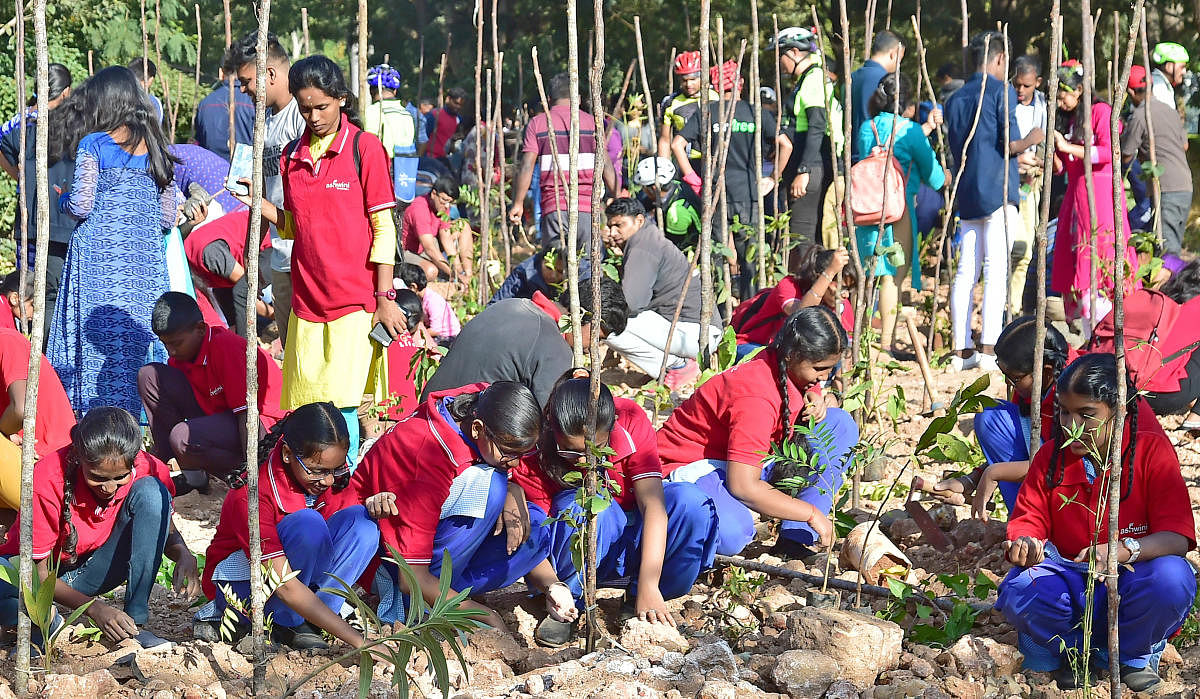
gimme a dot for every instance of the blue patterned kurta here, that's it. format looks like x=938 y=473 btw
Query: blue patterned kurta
x=100 y=336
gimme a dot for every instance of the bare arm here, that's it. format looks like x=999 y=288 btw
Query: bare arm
x=14 y=415
x=746 y=484
x=664 y=141
x=300 y=599
x=650 y=603
x=679 y=146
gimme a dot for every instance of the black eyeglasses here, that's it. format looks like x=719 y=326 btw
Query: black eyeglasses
x=318 y=475
x=507 y=457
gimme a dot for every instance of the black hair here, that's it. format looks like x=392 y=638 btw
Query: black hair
x=174 y=311
x=811 y=334
x=614 y=309
x=59 y=79
x=1014 y=347
x=1027 y=63
x=143 y=66
x=114 y=99
x=1070 y=77
x=446 y=184
x=560 y=87
x=984 y=47
x=410 y=304
x=12 y=284
x=104 y=433
x=245 y=50
x=949 y=69
x=322 y=73
x=1094 y=376
x=884 y=41
x=814 y=259
x=884 y=98
x=625 y=206
x=567 y=413
x=507 y=409
x=425 y=100
x=456 y=93
x=307 y=431
x=1184 y=285
x=413 y=276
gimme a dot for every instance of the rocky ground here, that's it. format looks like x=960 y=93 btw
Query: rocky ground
x=741 y=633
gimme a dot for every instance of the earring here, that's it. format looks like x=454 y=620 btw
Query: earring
x=343 y=103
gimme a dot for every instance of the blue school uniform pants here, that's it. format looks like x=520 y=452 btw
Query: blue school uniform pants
x=1045 y=603
x=130 y=557
x=479 y=560
x=318 y=549
x=1003 y=435
x=735 y=521
x=691 y=540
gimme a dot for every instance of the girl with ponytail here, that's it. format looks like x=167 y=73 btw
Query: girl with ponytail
x=124 y=198
x=1052 y=532
x=720 y=435
x=310 y=522
x=101 y=519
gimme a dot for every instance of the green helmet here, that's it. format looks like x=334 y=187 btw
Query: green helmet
x=1169 y=52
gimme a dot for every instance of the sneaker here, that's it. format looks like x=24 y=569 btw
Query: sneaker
x=206 y=631
x=301 y=637
x=987 y=362
x=1139 y=679
x=188 y=481
x=958 y=363
x=683 y=375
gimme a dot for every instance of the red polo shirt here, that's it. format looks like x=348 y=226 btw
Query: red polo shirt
x=420 y=219
x=417 y=460
x=218 y=376
x=401 y=377
x=1040 y=511
x=734 y=416
x=230 y=228
x=636 y=457
x=55 y=417
x=447 y=124
x=93 y=523
x=278 y=496
x=7 y=319
x=331 y=205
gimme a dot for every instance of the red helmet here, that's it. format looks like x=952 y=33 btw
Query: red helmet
x=725 y=77
x=687 y=63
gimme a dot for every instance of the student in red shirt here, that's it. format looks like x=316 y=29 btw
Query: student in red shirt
x=431 y=240
x=216 y=252
x=101 y=519
x=310 y=522
x=441 y=481
x=660 y=535
x=401 y=357
x=1052 y=527
x=195 y=401
x=720 y=436
x=14 y=298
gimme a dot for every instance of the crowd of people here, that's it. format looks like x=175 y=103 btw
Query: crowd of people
x=387 y=423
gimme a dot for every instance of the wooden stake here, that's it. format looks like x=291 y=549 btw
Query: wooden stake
x=484 y=178
x=304 y=30
x=199 y=45
x=497 y=136
x=651 y=107
x=786 y=238
x=22 y=255
x=572 y=198
x=707 y=195
x=760 y=220
x=91 y=70
x=145 y=45
x=722 y=200
x=168 y=112
x=966 y=37
x=1007 y=161
x=364 y=93
x=421 y=66
x=1156 y=183
x=1085 y=107
x=231 y=79
x=839 y=210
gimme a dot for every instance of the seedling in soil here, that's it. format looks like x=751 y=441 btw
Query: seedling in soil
x=39 y=606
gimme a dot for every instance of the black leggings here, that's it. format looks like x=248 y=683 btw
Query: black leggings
x=808 y=211
x=1181 y=400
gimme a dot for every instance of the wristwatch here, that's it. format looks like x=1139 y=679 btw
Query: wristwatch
x=390 y=294
x=1134 y=546
x=802 y=169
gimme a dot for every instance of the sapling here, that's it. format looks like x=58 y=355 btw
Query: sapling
x=39 y=605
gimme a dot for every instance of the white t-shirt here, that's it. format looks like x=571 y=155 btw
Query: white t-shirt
x=1163 y=90
x=1031 y=116
x=281 y=129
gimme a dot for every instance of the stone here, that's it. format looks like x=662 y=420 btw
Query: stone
x=180 y=667
x=624 y=690
x=805 y=674
x=1171 y=656
x=494 y=644
x=969 y=530
x=963 y=689
x=538 y=658
x=842 y=689
x=921 y=667
x=945 y=515
x=6 y=691
x=229 y=662
x=637 y=636
x=534 y=684
x=711 y=661
x=984 y=657
x=861 y=645
x=776 y=598
x=672 y=661
x=94 y=684
x=902 y=529
x=717 y=689
x=490 y=670
x=911 y=687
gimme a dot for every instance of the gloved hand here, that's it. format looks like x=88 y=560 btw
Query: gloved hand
x=693 y=180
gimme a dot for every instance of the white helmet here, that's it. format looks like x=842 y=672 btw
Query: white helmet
x=794 y=38
x=654 y=171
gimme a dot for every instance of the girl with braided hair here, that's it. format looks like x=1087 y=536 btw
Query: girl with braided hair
x=720 y=435
x=101 y=519
x=1051 y=533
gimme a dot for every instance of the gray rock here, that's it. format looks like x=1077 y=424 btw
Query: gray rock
x=711 y=661
x=805 y=674
x=862 y=646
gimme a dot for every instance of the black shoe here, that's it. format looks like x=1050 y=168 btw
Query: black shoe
x=183 y=486
x=300 y=637
x=792 y=550
x=206 y=631
x=1139 y=679
x=552 y=633
x=1066 y=679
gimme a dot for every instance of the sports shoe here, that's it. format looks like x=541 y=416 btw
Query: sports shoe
x=682 y=376
x=987 y=362
x=1139 y=679
x=206 y=631
x=958 y=363
x=300 y=637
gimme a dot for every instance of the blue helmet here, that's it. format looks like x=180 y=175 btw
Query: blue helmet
x=383 y=76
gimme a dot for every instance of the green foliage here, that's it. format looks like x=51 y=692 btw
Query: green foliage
x=967 y=400
x=1189 y=633
x=739 y=589
x=726 y=356
x=935 y=627
x=589 y=505
x=39 y=605
x=237 y=610
x=424 y=363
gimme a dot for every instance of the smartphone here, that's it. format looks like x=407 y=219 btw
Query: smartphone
x=241 y=167
x=381 y=335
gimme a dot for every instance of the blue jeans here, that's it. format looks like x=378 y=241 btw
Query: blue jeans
x=1003 y=437
x=1046 y=602
x=735 y=522
x=318 y=549
x=131 y=555
x=691 y=540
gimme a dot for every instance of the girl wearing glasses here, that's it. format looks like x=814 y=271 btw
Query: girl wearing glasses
x=661 y=535
x=309 y=522
x=442 y=492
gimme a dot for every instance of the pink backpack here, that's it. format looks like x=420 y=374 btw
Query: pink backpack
x=869 y=179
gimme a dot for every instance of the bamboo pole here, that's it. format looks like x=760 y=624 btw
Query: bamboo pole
x=232 y=80
x=199 y=45
x=1120 y=238
x=651 y=107
x=166 y=78
x=572 y=198
x=760 y=220
x=1156 y=191
x=364 y=93
x=705 y=245
x=483 y=178
x=1007 y=160
x=91 y=69
x=145 y=45
x=22 y=255
x=1040 y=242
x=1089 y=72
x=257 y=597
x=304 y=30
x=785 y=245
x=723 y=201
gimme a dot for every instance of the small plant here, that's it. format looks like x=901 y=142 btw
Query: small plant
x=738 y=589
x=935 y=627
x=423 y=364
x=237 y=610
x=606 y=491
x=726 y=356
x=1189 y=633
x=39 y=605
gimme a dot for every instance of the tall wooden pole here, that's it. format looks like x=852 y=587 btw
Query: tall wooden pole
x=91 y=68
x=785 y=240
x=304 y=30
x=723 y=201
x=760 y=220
x=231 y=79
x=26 y=504
x=1156 y=183
x=707 y=192
x=651 y=107
x=1007 y=160
x=497 y=135
x=145 y=45
x=484 y=178
x=199 y=45
x=572 y=198
x=22 y=161
x=257 y=596
x=166 y=79
x=1085 y=123
x=364 y=93
x=421 y=66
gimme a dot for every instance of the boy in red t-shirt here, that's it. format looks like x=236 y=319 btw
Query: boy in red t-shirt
x=433 y=242
x=195 y=401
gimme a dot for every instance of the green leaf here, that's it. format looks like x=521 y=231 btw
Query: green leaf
x=365 y=665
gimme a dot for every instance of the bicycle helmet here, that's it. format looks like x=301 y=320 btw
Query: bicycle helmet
x=654 y=171
x=687 y=63
x=383 y=76
x=725 y=77
x=794 y=38
x=1169 y=52
x=766 y=94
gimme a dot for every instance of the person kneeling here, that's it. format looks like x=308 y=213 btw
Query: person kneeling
x=195 y=401
x=1051 y=530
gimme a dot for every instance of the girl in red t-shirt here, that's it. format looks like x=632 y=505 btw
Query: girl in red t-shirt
x=661 y=535
x=101 y=519
x=1051 y=533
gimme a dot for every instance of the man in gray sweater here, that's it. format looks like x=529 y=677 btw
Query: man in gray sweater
x=653 y=275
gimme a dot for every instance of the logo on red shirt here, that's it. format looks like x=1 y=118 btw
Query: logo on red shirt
x=338 y=185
